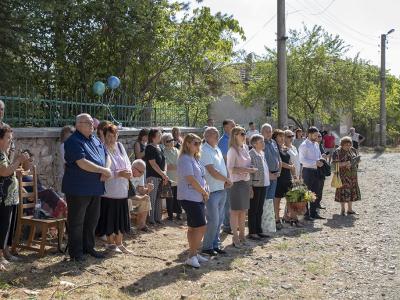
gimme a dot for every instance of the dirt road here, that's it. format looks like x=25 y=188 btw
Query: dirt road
x=338 y=258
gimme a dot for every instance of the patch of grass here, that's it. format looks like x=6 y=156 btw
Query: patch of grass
x=238 y=288
x=316 y=268
x=238 y=263
x=282 y=246
x=262 y=281
x=4 y=286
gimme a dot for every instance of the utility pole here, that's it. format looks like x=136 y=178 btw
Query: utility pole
x=382 y=122
x=282 y=67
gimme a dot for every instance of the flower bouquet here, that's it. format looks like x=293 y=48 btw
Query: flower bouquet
x=298 y=197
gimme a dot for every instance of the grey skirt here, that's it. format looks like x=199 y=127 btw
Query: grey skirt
x=240 y=195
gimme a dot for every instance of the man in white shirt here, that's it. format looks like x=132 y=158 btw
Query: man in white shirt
x=252 y=131
x=217 y=179
x=310 y=158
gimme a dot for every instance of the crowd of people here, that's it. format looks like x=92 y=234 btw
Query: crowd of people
x=217 y=181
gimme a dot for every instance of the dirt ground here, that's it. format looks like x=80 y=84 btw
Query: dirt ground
x=342 y=257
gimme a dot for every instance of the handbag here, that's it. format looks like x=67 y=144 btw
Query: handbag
x=166 y=190
x=336 y=181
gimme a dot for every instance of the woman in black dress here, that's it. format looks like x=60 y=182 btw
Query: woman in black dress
x=285 y=179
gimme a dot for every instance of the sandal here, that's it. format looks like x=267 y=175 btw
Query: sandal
x=352 y=212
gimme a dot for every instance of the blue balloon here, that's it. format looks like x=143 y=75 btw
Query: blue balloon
x=99 y=88
x=113 y=82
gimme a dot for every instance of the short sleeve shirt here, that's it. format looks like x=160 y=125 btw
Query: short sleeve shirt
x=8 y=185
x=171 y=158
x=138 y=181
x=154 y=153
x=76 y=181
x=223 y=144
x=189 y=166
x=213 y=156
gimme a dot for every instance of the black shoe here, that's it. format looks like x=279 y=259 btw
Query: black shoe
x=318 y=217
x=263 y=235
x=308 y=218
x=96 y=254
x=220 y=251
x=210 y=252
x=170 y=218
x=80 y=259
x=178 y=217
x=279 y=225
x=321 y=207
x=352 y=212
x=254 y=237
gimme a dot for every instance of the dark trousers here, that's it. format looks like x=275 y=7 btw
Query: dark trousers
x=313 y=182
x=173 y=205
x=8 y=219
x=320 y=190
x=256 y=210
x=83 y=215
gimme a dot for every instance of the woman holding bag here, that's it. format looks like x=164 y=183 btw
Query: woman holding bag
x=114 y=218
x=345 y=160
x=239 y=167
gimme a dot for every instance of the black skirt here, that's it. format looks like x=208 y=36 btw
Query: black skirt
x=114 y=217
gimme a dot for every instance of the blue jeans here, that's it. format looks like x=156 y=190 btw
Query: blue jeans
x=227 y=211
x=214 y=215
x=271 y=189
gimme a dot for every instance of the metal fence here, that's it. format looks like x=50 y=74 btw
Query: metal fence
x=38 y=111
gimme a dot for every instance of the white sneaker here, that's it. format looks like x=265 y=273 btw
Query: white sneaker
x=192 y=261
x=201 y=259
x=113 y=247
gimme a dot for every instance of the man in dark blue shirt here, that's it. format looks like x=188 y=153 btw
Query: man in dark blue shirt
x=86 y=169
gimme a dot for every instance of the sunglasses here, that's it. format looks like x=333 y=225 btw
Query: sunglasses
x=290 y=136
x=196 y=143
x=242 y=133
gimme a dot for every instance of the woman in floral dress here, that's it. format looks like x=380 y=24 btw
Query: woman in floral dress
x=348 y=158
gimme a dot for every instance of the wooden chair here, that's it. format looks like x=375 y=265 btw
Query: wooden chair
x=24 y=218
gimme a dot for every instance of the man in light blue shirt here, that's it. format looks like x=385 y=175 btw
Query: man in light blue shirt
x=217 y=179
x=223 y=145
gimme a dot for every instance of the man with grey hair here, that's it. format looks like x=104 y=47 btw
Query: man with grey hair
x=217 y=180
x=141 y=201
x=87 y=167
x=273 y=161
x=356 y=138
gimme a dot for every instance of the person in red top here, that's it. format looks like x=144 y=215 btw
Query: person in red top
x=329 y=143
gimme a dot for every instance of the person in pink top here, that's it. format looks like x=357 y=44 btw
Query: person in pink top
x=239 y=169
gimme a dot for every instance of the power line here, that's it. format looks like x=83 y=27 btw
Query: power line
x=328 y=21
x=325 y=9
x=258 y=32
x=335 y=19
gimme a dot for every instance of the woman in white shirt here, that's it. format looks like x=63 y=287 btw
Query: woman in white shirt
x=114 y=218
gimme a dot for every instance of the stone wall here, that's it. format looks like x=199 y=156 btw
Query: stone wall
x=44 y=143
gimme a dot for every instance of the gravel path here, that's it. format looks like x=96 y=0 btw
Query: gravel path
x=338 y=258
